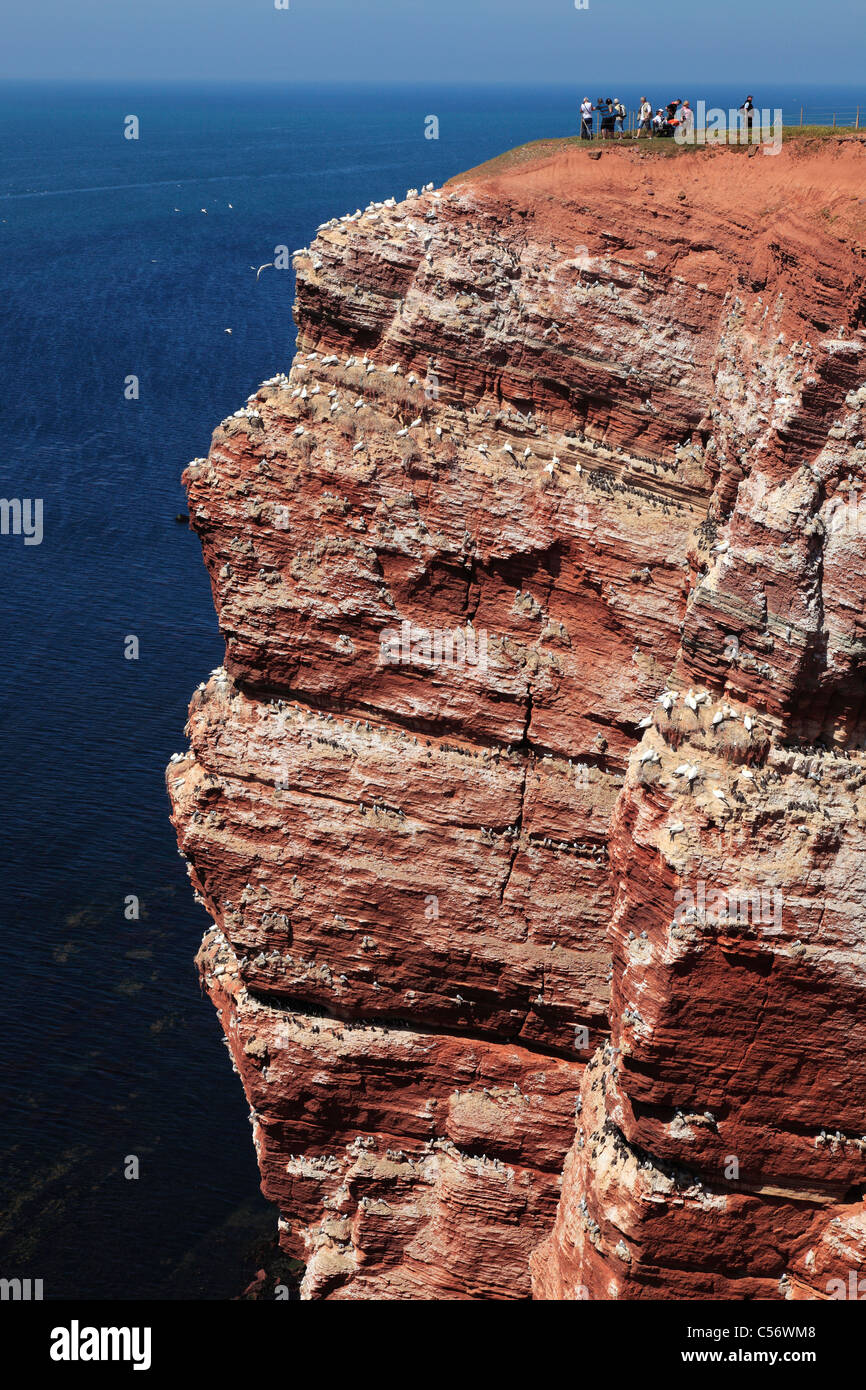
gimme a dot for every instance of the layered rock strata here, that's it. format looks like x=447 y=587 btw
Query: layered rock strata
x=540 y=981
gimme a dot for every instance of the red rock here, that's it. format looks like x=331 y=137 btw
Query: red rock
x=423 y=870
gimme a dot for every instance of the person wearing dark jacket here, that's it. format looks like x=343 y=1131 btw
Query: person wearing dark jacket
x=748 y=110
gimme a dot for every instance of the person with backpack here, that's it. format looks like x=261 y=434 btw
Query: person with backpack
x=645 y=116
x=748 y=110
x=608 y=118
x=620 y=113
x=586 y=119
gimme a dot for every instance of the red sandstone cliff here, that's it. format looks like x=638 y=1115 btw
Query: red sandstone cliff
x=486 y=952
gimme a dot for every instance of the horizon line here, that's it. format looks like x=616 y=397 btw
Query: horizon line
x=510 y=84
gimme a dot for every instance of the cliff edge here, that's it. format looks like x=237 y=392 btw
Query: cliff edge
x=529 y=805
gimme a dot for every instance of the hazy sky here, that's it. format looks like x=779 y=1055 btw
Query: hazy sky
x=746 y=41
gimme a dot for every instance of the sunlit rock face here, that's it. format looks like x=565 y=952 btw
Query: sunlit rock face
x=540 y=982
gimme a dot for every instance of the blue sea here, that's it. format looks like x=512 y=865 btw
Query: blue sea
x=129 y=258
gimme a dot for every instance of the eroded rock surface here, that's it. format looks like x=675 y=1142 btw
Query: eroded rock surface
x=540 y=982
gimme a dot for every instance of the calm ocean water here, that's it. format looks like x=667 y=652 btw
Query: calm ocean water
x=109 y=268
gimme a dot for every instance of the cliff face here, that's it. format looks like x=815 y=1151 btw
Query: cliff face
x=536 y=984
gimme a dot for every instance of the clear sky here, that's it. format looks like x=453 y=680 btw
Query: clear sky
x=773 y=41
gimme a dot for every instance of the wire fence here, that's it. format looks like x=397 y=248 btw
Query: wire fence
x=793 y=117
x=831 y=116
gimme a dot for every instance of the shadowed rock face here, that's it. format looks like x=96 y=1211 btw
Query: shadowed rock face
x=538 y=986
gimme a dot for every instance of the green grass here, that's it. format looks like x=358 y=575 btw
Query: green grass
x=657 y=146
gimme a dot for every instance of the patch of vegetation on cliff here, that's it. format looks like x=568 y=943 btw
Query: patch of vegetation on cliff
x=538 y=151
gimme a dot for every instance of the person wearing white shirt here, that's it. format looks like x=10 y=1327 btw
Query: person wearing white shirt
x=686 y=127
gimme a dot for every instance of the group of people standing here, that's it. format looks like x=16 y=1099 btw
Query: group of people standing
x=613 y=115
x=665 y=121
x=611 y=118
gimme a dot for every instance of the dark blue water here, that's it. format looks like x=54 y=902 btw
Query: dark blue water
x=109 y=268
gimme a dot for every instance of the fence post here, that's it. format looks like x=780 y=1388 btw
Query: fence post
x=801 y=118
x=834 y=120
x=857 y=119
